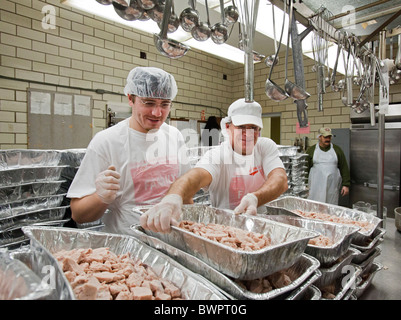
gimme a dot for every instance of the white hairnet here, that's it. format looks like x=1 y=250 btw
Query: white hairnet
x=223 y=127
x=150 y=82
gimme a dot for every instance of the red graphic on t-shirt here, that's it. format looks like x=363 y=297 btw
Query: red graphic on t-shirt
x=242 y=184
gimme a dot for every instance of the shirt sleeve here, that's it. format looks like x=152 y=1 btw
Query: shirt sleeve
x=92 y=164
x=270 y=155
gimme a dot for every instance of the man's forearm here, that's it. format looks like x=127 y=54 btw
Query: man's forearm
x=275 y=185
x=87 y=209
x=190 y=183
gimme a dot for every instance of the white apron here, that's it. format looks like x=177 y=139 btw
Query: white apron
x=324 y=177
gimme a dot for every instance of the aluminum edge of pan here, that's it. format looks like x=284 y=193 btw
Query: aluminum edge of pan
x=45 y=240
x=306 y=266
x=341 y=235
x=287 y=205
x=289 y=243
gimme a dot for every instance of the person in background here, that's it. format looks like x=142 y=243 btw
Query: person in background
x=241 y=174
x=211 y=133
x=328 y=170
x=133 y=162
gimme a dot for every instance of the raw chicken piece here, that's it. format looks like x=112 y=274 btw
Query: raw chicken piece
x=142 y=293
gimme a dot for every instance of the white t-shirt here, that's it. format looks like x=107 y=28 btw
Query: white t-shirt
x=235 y=175
x=148 y=164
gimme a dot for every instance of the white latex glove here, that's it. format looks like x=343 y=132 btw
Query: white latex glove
x=248 y=204
x=107 y=184
x=162 y=215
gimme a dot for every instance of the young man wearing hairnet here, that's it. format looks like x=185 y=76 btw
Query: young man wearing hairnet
x=133 y=162
x=242 y=174
x=328 y=170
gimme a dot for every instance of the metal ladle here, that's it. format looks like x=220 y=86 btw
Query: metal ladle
x=168 y=47
x=273 y=59
x=219 y=30
x=202 y=31
x=105 y=2
x=156 y=13
x=128 y=12
x=292 y=89
x=189 y=17
x=147 y=4
x=272 y=90
x=231 y=14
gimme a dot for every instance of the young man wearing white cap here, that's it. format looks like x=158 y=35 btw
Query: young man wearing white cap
x=134 y=161
x=328 y=170
x=242 y=174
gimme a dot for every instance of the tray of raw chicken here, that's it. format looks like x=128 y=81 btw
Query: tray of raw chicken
x=240 y=246
x=310 y=209
x=283 y=284
x=92 y=265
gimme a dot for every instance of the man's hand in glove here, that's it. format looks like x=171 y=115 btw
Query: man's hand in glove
x=162 y=215
x=248 y=205
x=107 y=184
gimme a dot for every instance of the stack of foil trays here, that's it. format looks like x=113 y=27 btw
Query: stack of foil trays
x=45 y=241
x=295 y=165
x=355 y=264
x=32 y=191
x=225 y=266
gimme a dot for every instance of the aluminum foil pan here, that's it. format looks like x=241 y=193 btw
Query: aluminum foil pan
x=288 y=242
x=335 y=271
x=370 y=242
x=27 y=218
x=289 y=205
x=47 y=240
x=28 y=190
x=311 y=292
x=301 y=270
x=18 y=282
x=366 y=278
x=32 y=204
x=287 y=150
x=367 y=262
x=341 y=235
x=343 y=286
x=29 y=174
x=15 y=158
x=14 y=235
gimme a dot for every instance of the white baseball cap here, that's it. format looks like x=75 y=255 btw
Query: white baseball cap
x=242 y=112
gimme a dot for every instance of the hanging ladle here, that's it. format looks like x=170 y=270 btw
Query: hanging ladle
x=156 y=13
x=168 y=47
x=273 y=58
x=202 y=31
x=174 y=21
x=128 y=12
x=147 y=4
x=189 y=17
x=219 y=30
x=292 y=89
x=105 y=2
x=231 y=14
x=272 y=90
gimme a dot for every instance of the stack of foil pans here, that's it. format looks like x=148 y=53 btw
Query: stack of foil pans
x=303 y=272
x=45 y=241
x=287 y=242
x=295 y=165
x=30 y=192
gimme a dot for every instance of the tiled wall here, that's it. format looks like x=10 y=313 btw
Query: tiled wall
x=85 y=53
